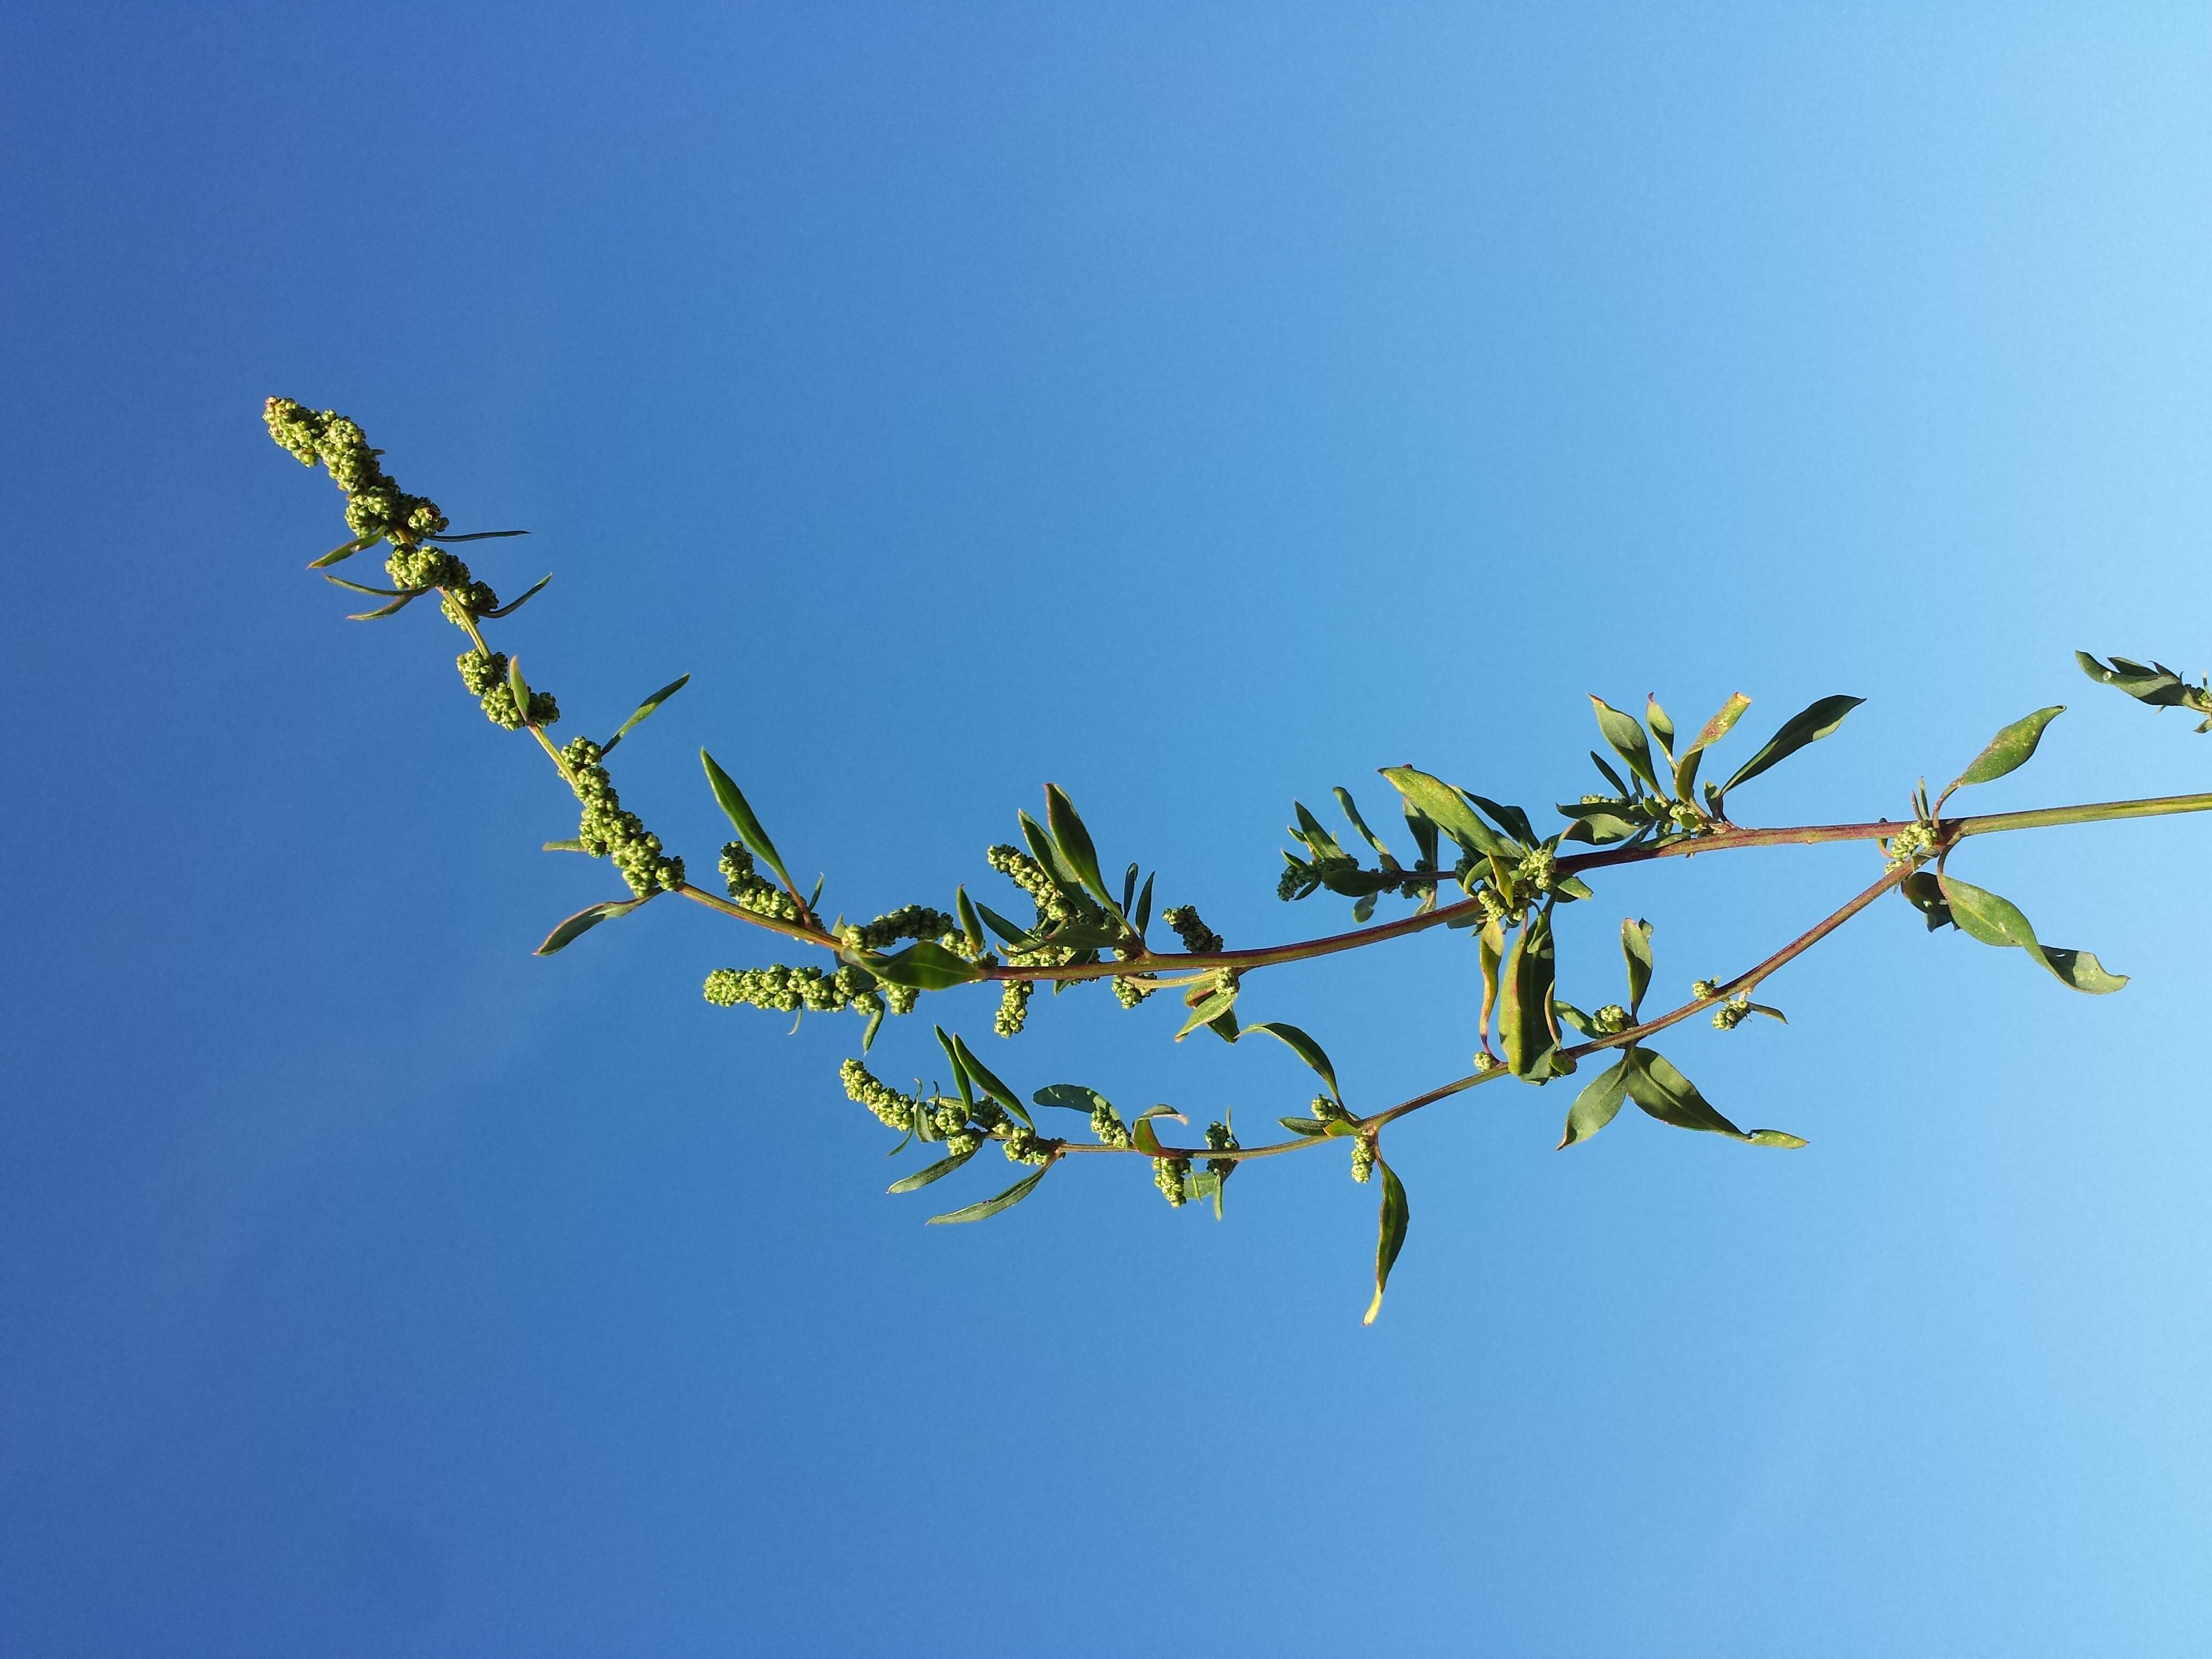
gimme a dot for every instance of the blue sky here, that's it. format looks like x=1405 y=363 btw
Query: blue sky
x=1197 y=407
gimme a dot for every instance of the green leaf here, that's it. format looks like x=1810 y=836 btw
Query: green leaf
x=1808 y=725
x=1653 y=1083
x=1685 y=766
x=394 y=608
x=1619 y=784
x=1071 y=1097
x=520 y=687
x=990 y=1207
x=1662 y=727
x=2151 y=683
x=945 y=1041
x=1143 y=916
x=344 y=551
x=1423 y=828
x=925 y=966
x=565 y=846
x=1525 y=1029
x=1145 y=1138
x=644 y=709
x=1305 y=1049
x=1491 y=944
x=1626 y=735
x=516 y=604
x=2009 y=751
x=1995 y=921
x=484 y=536
x=1018 y=939
x=1207 y=1009
x=1635 y=951
x=1152 y=1112
x=1572 y=887
x=1390 y=1235
x=937 y=1171
x=376 y=593
x=971 y=925
x=741 y=814
x=988 y=1082
x=1075 y=844
x=1924 y=894
x=1511 y=819
x=1775 y=1137
x=1597 y=1104
x=1447 y=809
x=583 y=921
x=1309 y=1127
x=1351 y=811
x=1048 y=856
x=1322 y=845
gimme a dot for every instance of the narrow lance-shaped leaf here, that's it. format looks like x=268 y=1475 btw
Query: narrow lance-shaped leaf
x=1685 y=765
x=1655 y=1085
x=519 y=600
x=1447 y=809
x=1663 y=728
x=1525 y=1029
x=990 y=1207
x=1305 y=1049
x=1598 y=1103
x=1142 y=917
x=583 y=921
x=1625 y=733
x=1999 y=921
x=741 y=814
x=2007 y=751
x=1075 y=844
x=971 y=924
x=2151 y=683
x=1491 y=944
x=936 y=1171
x=1209 y=1006
x=1635 y=951
x=945 y=1041
x=374 y=593
x=1048 y=856
x=1390 y=1234
x=484 y=536
x=520 y=687
x=1351 y=810
x=344 y=551
x=644 y=709
x=1808 y=725
x=393 y=609
x=924 y=966
x=1511 y=819
x=988 y=1082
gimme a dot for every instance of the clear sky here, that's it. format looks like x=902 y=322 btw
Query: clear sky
x=1197 y=406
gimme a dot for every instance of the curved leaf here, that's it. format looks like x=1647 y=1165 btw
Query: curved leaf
x=583 y=921
x=643 y=708
x=2151 y=683
x=741 y=814
x=1626 y=734
x=1996 y=920
x=989 y=1082
x=936 y=1171
x=2009 y=750
x=1075 y=844
x=336 y=554
x=925 y=966
x=1685 y=765
x=1390 y=1234
x=1808 y=725
x=1635 y=951
x=516 y=604
x=1071 y=1097
x=1446 y=808
x=1597 y=1104
x=1653 y=1083
x=990 y=1207
x=1305 y=1049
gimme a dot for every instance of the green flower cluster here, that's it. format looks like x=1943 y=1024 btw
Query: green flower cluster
x=784 y=990
x=1013 y=1006
x=1733 y=1012
x=1610 y=1020
x=1363 y=1159
x=752 y=890
x=896 y=1111
x=908 y=922
x=1106 y=1123
x=1054 y=903
x=1703 y=988
x=486 y=675
x=1130 y=992
x=606 y=831
x=1910 y=845
x=1023 y=1144
x=375 y=506
x=1197 y=937
x=1170 y=1174
x=1536 y=871
x=1221 y=1138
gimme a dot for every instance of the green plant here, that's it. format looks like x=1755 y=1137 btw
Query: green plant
x=1085 y=927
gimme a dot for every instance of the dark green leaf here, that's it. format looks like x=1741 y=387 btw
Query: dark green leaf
x=971 y=925
x=1808 y=725
x=1511 y=819
x=1653 y=1083
x=1390 y=1236
x=2151 y=683
x=394 y=608
x=484 y=536
x=1322 y=845
x=1018 y=937
x=1924 y=894
x=988 y=1081
x=376 y=593
x=1074 y=843
x=1525 y=1029
x=1619 y=784
x=1995 y=921
x=1447 y=809
x=1572 y=887
x=1048 y=856
x=2009 y=750
x=945 y=1041
x=516 y=604
x=345 y=551
x=741 y=814
x=936 y=1171
x=1625 y=733
x=646 y=709
x=1143 y=918
x=927 y=966
x=584 y=920
x=1305 y=1049
x=990 y=1207
x=1597 y=1104
x=1362 y=909
x=1128 y=888
x=1303 y=1126
x=1071 y=1097
x=1424 y=830
x=1635 y=951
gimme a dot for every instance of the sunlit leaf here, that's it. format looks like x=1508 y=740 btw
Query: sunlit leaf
x=936 y=1171
x=584 y=920
x=1808 y=725
x=2009 y=750
x=1598 y=1103
x=1305 y=1049
x=1996 y=920
x=741 y=814
x=1390 y=1234
x=990 y=1207
x=644 y=709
